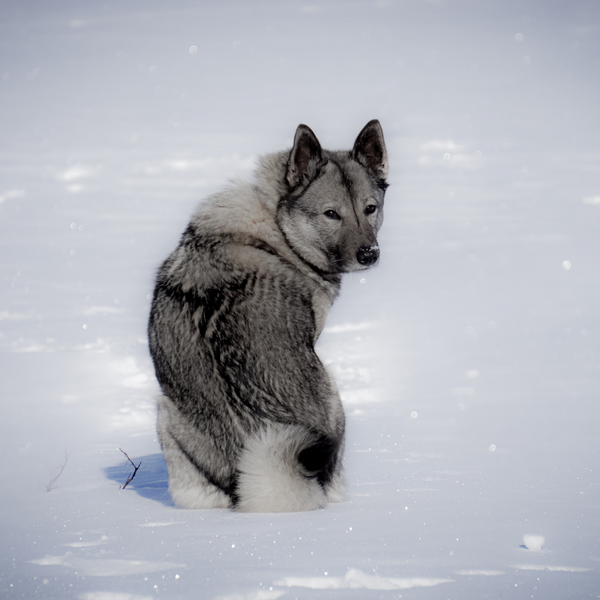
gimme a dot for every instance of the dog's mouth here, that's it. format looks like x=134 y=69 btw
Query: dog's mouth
x=322 y=273
x=329 y=275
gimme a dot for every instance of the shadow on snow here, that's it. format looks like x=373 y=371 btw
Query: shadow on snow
x=151 y=480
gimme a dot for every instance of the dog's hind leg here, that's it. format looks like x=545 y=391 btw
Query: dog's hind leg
x=188 y=485
x=270 y=476
x=336 y=488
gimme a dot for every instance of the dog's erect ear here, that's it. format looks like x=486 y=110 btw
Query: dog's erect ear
x=369 y=149
x=306 y=158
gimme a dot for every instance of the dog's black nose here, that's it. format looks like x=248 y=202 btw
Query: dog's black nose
x=367 y=255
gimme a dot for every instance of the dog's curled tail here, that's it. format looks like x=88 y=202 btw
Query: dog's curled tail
x=283 y=469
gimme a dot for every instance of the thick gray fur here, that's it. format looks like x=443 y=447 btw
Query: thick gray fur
x=249 y=417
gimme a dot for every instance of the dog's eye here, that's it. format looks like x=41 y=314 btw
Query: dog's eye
x=370 y=209
x=331 y=214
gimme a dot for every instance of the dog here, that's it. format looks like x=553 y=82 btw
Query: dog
x=249 y=418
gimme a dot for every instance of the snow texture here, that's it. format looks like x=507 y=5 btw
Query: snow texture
x=468 y=361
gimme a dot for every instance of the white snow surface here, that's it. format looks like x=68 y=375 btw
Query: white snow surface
x=468 y=360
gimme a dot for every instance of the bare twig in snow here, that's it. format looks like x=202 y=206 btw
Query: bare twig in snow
x=135 y=470
x=56 y=473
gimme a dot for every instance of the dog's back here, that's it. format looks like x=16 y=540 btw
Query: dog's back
x=249 y=417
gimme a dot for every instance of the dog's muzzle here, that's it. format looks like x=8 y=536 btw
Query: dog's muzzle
x=367 y=255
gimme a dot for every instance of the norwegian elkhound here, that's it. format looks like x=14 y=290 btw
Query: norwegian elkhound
x=249 y=417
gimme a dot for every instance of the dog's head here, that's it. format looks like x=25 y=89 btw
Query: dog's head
x=334 y=205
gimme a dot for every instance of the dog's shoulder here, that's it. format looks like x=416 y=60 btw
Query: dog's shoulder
x=234 y=235
x=237 y=229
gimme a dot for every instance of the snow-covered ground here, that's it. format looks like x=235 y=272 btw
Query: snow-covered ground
x=469 y=360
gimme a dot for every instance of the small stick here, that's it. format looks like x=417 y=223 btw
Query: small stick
x=135 y=470
x=56 y=473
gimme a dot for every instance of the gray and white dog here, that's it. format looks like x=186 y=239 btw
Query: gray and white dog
x=249 y=417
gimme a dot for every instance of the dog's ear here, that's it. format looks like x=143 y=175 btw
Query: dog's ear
x=306 y=158
x=369 y=149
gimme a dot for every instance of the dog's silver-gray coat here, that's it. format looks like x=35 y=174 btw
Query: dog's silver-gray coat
x=249 y=417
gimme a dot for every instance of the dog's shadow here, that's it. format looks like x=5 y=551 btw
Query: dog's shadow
x=151 y=479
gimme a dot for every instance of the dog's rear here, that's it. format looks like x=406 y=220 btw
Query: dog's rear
x=249 y=417
x=281 y=468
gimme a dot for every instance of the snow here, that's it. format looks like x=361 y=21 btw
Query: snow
x=468 y=361
x=533 y=542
